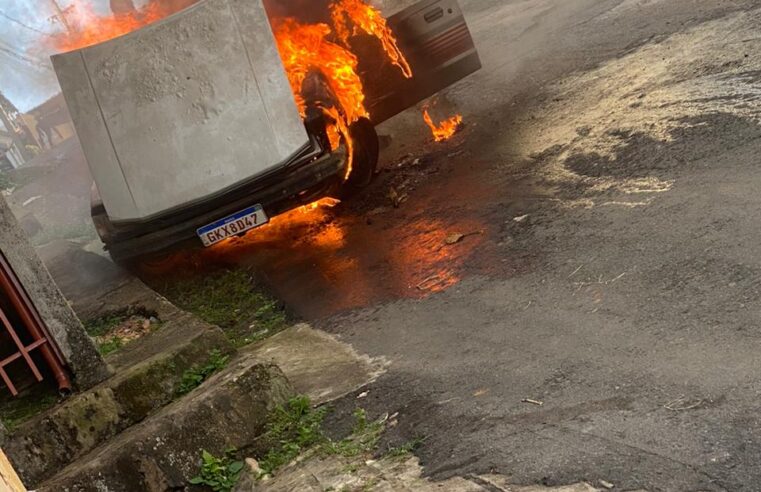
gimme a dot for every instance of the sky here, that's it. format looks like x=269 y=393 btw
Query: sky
x=26 y=76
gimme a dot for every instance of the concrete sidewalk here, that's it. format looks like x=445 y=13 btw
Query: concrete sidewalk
x=403 y=474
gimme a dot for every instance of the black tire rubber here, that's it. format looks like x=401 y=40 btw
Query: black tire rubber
x=365 y=157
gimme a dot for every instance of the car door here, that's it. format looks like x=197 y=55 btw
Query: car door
x=437 y=43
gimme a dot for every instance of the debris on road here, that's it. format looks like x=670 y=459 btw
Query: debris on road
x=607 y=484
x=31 y=200
x=408 y=160
x=436 y=282
x=682 y=403
x=533 y=402
x=378 y=211
x=520 y=219
x=599 y=281
x=396 y=197
x=457 y=237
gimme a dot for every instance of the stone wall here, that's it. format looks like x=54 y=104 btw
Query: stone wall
x=80 y=353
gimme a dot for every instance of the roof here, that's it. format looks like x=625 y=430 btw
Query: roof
x=52 y=105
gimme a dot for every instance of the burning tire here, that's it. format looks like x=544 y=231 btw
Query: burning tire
x=364 y=157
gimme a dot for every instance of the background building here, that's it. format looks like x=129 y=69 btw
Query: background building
x=13 y=136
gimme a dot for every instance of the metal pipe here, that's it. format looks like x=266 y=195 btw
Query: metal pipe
x=33 y=323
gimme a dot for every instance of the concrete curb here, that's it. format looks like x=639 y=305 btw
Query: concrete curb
x=163 y=452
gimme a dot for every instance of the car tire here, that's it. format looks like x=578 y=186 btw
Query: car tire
x=365 y=157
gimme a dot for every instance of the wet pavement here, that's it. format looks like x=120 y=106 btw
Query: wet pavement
x=605 y=188
x=330 y=261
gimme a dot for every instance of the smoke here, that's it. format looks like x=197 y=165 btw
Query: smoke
x=26 y=75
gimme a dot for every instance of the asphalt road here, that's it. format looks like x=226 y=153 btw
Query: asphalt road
x=606 y=183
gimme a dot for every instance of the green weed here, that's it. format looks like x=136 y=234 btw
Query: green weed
x=219 y=474
x=364 y=437
x=405 y=449
x=19 y=409
x=297 y=427
x=100 y=326
x=293 y=428
x=230 y=300
x=196 y=375
x=110 y=346
x=6 y=182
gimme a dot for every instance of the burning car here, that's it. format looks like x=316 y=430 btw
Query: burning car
x=208 y=122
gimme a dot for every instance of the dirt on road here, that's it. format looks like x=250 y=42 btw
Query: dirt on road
x=605 y=185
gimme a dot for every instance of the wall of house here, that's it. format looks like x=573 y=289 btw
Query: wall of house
x=14 y=156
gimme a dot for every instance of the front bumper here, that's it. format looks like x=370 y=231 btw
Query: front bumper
x=278 y=193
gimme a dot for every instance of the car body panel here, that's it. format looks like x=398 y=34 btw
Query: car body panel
x=435 y=39
x=180 y=110
x=180 y=134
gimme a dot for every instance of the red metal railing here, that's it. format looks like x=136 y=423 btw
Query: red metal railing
x=11 y=288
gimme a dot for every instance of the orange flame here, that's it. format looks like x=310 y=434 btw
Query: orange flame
x=444 y=130
x=322 y=202
x=304 y=48
x=87 y=28
x=372 y=22
x=307 y=47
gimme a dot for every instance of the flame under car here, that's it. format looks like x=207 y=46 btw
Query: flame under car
x=191 y=130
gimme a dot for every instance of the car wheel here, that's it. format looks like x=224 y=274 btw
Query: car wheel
x=365 y=157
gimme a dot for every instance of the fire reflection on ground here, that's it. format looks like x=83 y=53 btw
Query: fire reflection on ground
x=333 y=257
x=327 y=260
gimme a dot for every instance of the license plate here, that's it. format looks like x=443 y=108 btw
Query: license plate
x=240 y=222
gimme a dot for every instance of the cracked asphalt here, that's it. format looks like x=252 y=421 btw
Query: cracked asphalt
x=606 y=182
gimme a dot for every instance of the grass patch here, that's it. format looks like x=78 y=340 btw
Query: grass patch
x=230 y=300
x=293 y=428
x=196 y=375
x=405 y=449
x=363 y=439
x=6 y=182
x=219 y=474
x=110 y=346
x=297 y=427
x=15 y=411
x=103 y=325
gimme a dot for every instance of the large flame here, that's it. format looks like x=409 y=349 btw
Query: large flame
x=86 y=27
x=303 y=47
x=306 y=48
x=372 y=22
